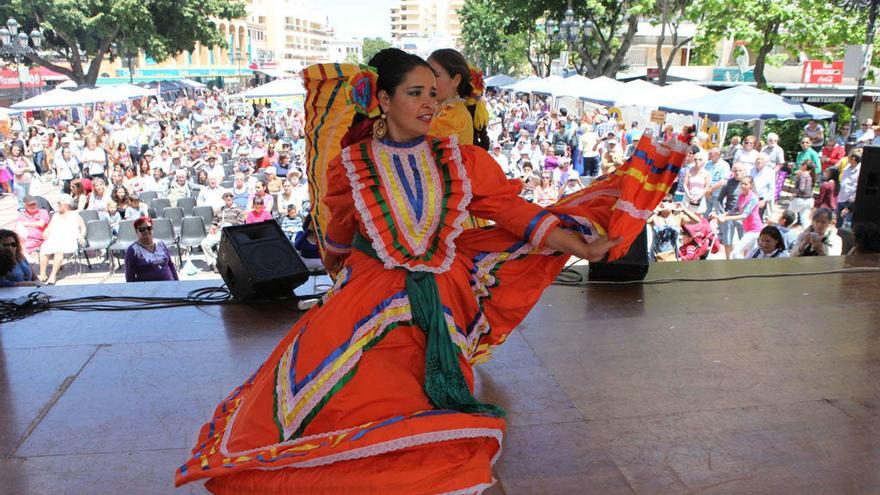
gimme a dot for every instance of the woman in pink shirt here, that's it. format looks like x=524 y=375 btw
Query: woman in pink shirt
x=34 y=221
x=259 y=212
x=750 y=215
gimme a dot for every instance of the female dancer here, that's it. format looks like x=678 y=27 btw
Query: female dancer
x=371 y=391
x=462 y=113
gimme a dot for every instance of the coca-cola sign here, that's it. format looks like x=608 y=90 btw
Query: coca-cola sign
x=9 y=79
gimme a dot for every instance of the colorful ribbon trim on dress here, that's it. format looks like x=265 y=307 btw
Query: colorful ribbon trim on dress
x=445 y=384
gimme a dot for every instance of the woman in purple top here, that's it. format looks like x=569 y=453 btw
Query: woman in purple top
x=148 y=260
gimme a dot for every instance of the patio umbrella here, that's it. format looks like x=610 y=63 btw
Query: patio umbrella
x=747 y=103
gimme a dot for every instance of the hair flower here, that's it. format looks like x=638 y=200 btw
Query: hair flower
x=476 y=81
x=362 y=92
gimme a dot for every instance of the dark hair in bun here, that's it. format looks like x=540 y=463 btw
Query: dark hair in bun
x=392 y=65
x=454 y=63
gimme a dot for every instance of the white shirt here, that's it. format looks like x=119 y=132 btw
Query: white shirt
x=93 y=160
x=211 y=197
x=849 y=182
x=765 y=182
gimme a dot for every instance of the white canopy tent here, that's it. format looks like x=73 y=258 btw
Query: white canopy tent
x=56 y=98
x=681 y=91
x=549 y=85
x=573 y=86
x=278 y=88
x=523 y=85
x=639 y=93
x=121 y=92
x=747 y=103
x=194 y=84
x=603 y=90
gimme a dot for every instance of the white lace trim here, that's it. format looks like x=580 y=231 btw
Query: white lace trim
x=544 y=227
x=473 y=490
x=373 y=233
x=376 y=324
x=423 y=153
x=632 y=211
x=399 y=444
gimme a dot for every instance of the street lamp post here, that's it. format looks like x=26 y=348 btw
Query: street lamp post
x=16 y=44
x=569 y=31
x=128 y=59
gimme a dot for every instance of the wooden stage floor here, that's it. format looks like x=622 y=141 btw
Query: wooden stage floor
x=748 y=386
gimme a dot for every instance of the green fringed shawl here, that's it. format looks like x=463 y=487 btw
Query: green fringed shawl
x=444 y=384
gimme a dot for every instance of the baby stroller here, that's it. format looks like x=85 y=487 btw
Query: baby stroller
x=704 y=242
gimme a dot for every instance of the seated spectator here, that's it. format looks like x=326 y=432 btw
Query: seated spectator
x=240 y=191
x=179 y=188
x=120 y=197
x=147 y=259
x=802 y=203
x=306 y=244
x=546 y=193
x=261 y=192
x=135 y=208
x=829 y=189
x=32 y=222
x=789 y=228
x=156 y=182
x=20 y=273
x=66 y=231
x=665 y=226
x=258 y=211
x=820 y=238
x=284 y=165
x=99 y=197
x=211 y=195
x=230 y=214
x=273 y=183
x=80 y=193
x=214 y=168
x=112 y=216
x=748 y=217
x=697 y=241
x=291 y=222
x=770 y=244
x=572 y=185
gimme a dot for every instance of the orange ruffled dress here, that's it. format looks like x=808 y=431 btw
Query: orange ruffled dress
x=340 y=406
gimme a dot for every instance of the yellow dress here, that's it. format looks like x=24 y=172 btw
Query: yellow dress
x=453 y=119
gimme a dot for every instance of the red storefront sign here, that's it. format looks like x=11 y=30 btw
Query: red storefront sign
x=820 y=72
x=9 y=79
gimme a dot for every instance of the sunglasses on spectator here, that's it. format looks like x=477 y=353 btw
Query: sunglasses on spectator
x=10 y=244
x=145 y=229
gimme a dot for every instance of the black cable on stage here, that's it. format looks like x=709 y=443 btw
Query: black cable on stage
x=563 y=280
x=37 y=302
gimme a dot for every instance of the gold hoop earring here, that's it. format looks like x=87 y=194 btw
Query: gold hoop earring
x=380 y=127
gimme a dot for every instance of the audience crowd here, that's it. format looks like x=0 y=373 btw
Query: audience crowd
x=228 y=164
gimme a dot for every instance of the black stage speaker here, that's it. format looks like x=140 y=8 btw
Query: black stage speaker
x=867 y=206
x=632 y=266
x=257 y=261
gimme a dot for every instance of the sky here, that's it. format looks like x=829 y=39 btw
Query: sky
x=359 y=17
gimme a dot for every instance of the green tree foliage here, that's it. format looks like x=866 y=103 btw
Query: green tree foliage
x=670 y=15
x=485 y=41
x=816 y=28
x=373 y=46
x=598 y=52
x=79 y=34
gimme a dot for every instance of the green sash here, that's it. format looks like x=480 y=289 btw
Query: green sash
x=445 y=384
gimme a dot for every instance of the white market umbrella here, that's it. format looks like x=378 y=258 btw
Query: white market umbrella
x=523 y=85
x=639 y=93
x=682 y=91
x=602 y=90
x=547 y=86
x=56 y=98
x=573 y=86
x=278 y=88
x=747 y=103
